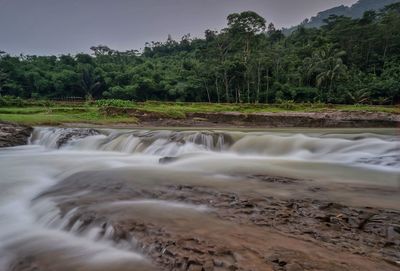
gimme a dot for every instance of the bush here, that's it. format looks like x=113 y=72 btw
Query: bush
x=286 y=104
x=11 y=101
x=305 y=94
x=114 y=103
x=317 y=105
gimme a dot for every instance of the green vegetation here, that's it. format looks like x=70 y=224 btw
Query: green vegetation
x=114 y=103
x=347 y=61
x=60 y=116
x=35 y=113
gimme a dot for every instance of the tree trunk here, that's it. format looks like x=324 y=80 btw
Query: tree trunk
x=267 y=93
x=226 y=83
x=368 y=53
x=330 y=90
x=385 y=51
x=258 y=82
x=277 y=71
x=248 y=90
x=247 y=71
x=236 y=95
x=208 y=92
x=217 y=88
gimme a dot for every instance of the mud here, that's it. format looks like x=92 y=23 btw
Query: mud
x=329 y=119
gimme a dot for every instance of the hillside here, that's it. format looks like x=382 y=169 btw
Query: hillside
x=355 y=11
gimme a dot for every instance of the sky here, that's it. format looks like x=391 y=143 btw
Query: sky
x=45 y=27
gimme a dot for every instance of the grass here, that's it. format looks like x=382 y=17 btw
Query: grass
x=258 y=108
x=181 y=109
x=60 y=115
x=82 y=113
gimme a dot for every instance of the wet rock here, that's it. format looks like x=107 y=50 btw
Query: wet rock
x=315 y=189
x=195 y=267
x=272 y=179
x=73 y=134
x=294 y=267
x=208 y=266
x=13 y=134
x=388 y=160
x=167 y=160
x=393 y=234
x=365 y=232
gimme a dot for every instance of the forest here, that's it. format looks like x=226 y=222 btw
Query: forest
x=346 y=61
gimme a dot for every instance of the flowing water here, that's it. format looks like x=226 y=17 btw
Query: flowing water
x=32 y=225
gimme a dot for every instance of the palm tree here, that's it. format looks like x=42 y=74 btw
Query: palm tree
x=360 y=96
x=328 y=67
x=89 y=83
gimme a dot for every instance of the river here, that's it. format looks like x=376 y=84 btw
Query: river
x=50 y=187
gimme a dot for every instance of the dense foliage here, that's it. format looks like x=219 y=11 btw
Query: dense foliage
x=345 y=61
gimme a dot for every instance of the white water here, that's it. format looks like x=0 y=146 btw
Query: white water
x=363 y=148
x=36 y=227
x=27 y=228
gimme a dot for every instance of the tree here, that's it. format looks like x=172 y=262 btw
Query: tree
x=3 y=80
x=274 y=34
x=328 y=64
x=89 y=82
x=102 y=50
x=243 y=28
x=246 y=22
x=346 y=61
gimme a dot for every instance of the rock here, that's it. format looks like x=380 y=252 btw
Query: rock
x=388 y=160
x=393 y=234
x=72 y=134
x=167 y=160
x=195 y=267
x=208 y=266
x=293 y=267
x=12 y=134
x=326 y=223
x=272 y=179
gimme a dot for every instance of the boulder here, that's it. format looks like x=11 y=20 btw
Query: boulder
x=12 y=134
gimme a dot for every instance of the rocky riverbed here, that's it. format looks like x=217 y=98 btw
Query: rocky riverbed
x=226 y=228
x=108 y=200
x=12 y=134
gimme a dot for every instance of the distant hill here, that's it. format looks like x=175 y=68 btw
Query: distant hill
x=355 y=11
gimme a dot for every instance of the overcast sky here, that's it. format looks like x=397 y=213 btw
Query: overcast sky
x=69 y=26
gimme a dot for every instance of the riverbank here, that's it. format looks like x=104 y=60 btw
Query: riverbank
x=205 y=115
x=328 y=119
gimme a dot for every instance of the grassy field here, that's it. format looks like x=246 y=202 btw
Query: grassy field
x=59 y=113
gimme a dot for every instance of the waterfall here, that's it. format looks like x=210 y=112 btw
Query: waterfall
x=371 y=149
x=163 y=143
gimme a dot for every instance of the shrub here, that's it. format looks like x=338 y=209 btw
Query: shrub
x=11 y=101
x=286 y=104
x=114 y=103
x=305 y=94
